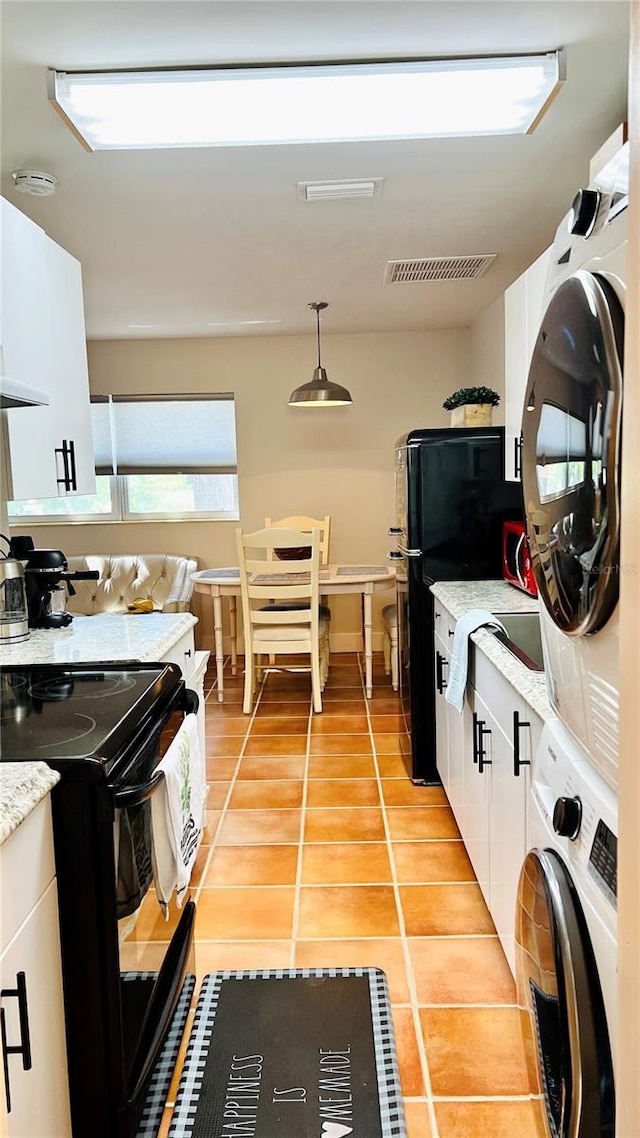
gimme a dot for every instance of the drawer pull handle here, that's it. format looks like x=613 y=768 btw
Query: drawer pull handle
x=24 y=1047
x=479 y=752
x=517 y=761
x=441 y=663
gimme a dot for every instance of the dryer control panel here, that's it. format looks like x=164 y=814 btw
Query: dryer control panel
x=603 y=859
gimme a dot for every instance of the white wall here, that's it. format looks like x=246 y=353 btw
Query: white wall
x=487 y=352
x=338 y=462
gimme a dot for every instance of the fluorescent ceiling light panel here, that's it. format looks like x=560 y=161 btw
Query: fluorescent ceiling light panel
x=266 y=106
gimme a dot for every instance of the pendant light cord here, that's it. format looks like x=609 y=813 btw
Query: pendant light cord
x=318 y=324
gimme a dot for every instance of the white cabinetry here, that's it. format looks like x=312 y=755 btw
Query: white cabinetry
x=486 y=772
x=50 y=448
x=442 y=657
x=23 y=299
x=523 y=309
x=193 y=666
x=35 y=1096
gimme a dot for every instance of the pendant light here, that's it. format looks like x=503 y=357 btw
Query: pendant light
x=320 y=392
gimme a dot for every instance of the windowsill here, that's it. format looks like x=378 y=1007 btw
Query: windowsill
x=29 y=523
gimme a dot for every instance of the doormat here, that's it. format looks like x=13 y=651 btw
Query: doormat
x=291 y=1053
x=158 y=1087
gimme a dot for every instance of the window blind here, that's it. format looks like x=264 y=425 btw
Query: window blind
x=164 y=434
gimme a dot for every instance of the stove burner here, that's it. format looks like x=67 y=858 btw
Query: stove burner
x=59 y=688
x=77 y=735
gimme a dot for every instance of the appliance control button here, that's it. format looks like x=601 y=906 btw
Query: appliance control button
x=584 y=211
x=567 y=817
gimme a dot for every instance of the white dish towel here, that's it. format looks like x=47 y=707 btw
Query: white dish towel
x=475 y=618
x=177 y=814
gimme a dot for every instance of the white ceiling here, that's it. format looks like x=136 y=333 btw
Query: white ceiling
x=217 y=243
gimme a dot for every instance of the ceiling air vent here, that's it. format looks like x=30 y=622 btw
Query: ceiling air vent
x=438 y=269
x=330 y=191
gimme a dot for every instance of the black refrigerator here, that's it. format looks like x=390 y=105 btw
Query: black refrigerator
x=451 y=501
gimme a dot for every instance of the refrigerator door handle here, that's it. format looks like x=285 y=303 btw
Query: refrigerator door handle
x=410 y=552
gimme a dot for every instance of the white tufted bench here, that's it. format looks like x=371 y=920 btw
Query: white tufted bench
x=160 y=577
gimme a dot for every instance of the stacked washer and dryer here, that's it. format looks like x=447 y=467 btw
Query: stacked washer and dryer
x=566 y=939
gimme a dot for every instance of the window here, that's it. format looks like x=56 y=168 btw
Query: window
x=156 y=458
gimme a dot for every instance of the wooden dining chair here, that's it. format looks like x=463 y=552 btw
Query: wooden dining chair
x=307 y=524
x=269 y=588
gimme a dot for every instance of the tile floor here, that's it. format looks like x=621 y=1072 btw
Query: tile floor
x=321 y=851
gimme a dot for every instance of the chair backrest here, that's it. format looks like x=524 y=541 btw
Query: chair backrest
x=262 y=579
x=306 y=525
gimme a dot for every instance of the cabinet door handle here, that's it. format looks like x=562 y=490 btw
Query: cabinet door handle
x=24 y=1046
x=517 y=456
x=480 y=754
x=73 y=481
x=517 y=761
x=441 y=661
x=68 y=452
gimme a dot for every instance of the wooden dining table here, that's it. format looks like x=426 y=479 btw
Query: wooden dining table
x=334 y=579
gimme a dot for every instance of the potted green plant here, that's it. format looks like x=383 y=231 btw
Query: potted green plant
x=471 y=406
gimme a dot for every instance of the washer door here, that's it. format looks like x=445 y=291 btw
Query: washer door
x=571 y=453
x=563 y=1021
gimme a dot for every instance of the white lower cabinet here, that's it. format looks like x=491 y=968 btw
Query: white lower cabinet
x=442 y=742
x=183 y=653
x=35 y=1095
x=478 y=757
x=490 y=747
x=193 y=666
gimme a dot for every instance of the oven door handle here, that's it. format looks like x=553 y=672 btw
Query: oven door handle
x=191 y=702
x=135 y=795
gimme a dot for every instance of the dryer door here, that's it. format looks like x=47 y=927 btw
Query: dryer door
x=563 y=1022
x=571 y=453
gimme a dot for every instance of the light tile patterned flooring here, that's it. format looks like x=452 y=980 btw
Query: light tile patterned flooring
x=321 y=851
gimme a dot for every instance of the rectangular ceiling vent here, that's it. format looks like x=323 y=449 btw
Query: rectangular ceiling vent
x=331 y=191
x=438 y=269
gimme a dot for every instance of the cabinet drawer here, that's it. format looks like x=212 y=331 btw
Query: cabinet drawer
x=497 y=692
x=27 y=868
x=39 y=1095
x=183 y=654
x=444 y=624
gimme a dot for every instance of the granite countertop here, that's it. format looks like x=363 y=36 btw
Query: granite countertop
x=104 y=638
x=22 y=787
x=459 y=597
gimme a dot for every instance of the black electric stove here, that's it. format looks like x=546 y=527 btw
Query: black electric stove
x=106 y=728
x=65 y=715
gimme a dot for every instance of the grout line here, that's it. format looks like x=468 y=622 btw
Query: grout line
x=303 y=810
x=215 y=844
x=424 y=1065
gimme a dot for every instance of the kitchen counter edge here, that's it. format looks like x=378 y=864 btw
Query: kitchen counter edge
x=458 y=597
x=22 y=787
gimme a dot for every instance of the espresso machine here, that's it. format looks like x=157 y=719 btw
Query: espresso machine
x=47 y=580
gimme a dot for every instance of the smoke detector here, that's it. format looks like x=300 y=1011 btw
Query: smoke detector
x=35 y=182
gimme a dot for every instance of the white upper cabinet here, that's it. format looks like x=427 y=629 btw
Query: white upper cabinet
x=50 y=448
x=23 y=300
x=523 y=308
